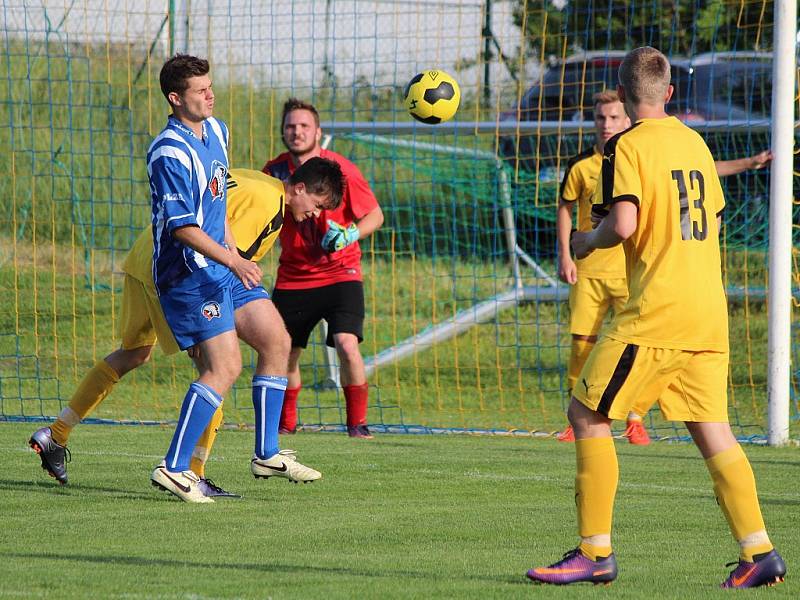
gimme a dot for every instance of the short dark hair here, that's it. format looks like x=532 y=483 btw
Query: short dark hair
x=177 y=70
x=296 y=104
x=322 y=177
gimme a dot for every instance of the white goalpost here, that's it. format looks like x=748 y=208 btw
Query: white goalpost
x=780 y=221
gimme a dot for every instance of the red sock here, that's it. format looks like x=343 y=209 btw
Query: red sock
x=355 y=397
x=289 y=410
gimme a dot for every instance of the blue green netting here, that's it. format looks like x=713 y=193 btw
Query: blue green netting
x=77 y=116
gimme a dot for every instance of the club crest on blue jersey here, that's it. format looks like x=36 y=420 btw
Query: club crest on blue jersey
x=210 y=310
x=217 y=183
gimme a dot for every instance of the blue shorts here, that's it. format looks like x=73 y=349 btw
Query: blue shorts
x=202 y=305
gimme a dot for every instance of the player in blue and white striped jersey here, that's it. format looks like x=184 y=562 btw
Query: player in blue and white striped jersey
x=200 y=277
x=187 y=181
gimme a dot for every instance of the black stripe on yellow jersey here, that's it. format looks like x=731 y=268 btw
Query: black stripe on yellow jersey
x=609 y=152
x=570 y=164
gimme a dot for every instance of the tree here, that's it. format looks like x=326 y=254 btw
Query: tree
x=676 y=27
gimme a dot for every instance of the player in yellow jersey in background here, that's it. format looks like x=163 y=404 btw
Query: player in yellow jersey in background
x=256 y=205
x=659 y=195
x=598 y=281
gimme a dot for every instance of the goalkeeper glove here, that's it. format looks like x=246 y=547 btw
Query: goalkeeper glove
x=338 y=236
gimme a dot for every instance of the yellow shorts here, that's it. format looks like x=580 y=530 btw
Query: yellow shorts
x=589 y=301
x=689 y=386
x=142 y=320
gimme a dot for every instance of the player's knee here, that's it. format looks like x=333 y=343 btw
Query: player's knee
x=294 y=359
x=347 y=345
x=228 y=371
x=573 y=412
x=128 y=360
x=283 y=345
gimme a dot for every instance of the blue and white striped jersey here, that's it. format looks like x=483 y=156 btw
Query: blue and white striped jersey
x=187 y=183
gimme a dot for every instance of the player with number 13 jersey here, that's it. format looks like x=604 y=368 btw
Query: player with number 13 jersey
x=673 y=258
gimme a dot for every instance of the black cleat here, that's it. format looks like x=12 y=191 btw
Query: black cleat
x=359 y=431
x=52 y=454
x=212 y=490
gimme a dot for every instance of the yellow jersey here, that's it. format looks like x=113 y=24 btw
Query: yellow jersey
x=255 y=212
x=578 y=186
x=677 y=299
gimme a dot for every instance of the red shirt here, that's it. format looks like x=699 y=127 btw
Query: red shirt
x=303 y=263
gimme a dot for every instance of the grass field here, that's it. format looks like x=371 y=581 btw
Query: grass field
x=395 y=517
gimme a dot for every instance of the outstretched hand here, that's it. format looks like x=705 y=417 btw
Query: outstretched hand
x=760 y=160
x=338 y=236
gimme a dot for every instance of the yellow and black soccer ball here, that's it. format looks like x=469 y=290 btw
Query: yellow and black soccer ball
x=432 y=97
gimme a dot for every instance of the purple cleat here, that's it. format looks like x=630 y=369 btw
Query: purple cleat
x=574 y=567
x=767 y=569
x=359 y=431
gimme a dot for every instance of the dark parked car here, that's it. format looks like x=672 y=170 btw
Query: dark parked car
x=566 y=87
x=723 y=86
x=713 y=86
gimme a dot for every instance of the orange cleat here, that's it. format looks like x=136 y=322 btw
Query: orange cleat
x=636 y=433
x=567 y=435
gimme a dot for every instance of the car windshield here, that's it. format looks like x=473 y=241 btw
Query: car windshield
x=570 y=100
x=721 y=91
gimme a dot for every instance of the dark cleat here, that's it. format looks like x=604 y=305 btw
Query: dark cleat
x=576 y=568
x=767 y=569
x=212 y=490
x=359 y=431
x=52 y=454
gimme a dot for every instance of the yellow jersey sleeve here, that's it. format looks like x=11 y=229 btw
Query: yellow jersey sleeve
x=573 y=183
x=255 y=211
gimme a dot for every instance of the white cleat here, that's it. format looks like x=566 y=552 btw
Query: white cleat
x=283 y=464
x=183 y=484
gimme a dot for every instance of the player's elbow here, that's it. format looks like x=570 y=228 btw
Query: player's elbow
x=624 y=228
x=378 y=218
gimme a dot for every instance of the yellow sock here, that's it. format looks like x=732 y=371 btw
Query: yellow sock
x=595 y=485
x=91 y=391
x=577 y=357
x=593 y=552
x=735 y=489
x=202 y=449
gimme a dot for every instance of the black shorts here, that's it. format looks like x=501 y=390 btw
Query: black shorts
x=340 y=304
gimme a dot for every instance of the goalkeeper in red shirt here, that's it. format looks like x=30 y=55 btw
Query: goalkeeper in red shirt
x=319 y=272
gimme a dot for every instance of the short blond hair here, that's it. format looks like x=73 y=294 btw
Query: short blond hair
x=644 y=75
x=605 y=97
